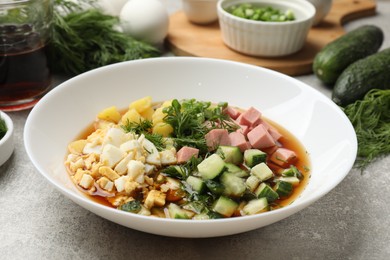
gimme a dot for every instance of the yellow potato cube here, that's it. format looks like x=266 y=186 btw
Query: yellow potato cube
x=163 y=129
x=158 y=115
x=131 y=116
x=110 y=114
x=167 y=103
x=141 y=104
x=76 y=147
x=148 y=113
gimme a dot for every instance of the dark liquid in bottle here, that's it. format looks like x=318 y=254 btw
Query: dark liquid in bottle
x=24 y=69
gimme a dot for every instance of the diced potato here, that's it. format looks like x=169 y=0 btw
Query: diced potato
x=131 y=115
x=158 y=116
x=163 y=129
x=141 y=104
x=147 y=113
x=130 y=186
x=76 y=147
x=110 y=114
x=105 y=184
x=167 y=103
x=168 y=157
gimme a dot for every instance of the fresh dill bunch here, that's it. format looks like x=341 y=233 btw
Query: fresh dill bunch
x=85 y=39
x=371 y=119
x=3 y=128
x=191 y=120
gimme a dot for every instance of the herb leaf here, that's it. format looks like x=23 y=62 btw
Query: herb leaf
x=371 y=119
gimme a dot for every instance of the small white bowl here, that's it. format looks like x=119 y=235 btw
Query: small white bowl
x=322 y=9
x=7 y=142
x=200 y=11
x=268 y=39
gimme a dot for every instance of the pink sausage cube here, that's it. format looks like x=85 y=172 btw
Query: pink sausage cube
x=244 y=129
x=251 y=117
x=232 y=112
x=186 y=153
x=260 y=138
x=239 y=140
x=283 y=157
x=217 y=137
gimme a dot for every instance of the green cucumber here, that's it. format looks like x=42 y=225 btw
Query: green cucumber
x=336 y=56
x=211 y=167
x=225 y=206
x=255 y=206
x=197 y=184
x=230 y=154
x=362 y=76
x=232 y=168
x=253 y=157
x=265 y=191
x=262 y=171
x=284 y=189
x=234 y=186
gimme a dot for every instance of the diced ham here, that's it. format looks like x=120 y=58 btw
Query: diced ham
x=232 y=112
x=260 y=138
x=270 y=150
x=283 y=157
x=186 y=153
x=251 y=117
x=239 y=140
x=273 y=132
x=217 y=137
x=244 y=129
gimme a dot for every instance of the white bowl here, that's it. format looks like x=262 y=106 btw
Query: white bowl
x=304 y=111
x=200 y=11
x=322 y=9
x=267 y=39
x=7 y=142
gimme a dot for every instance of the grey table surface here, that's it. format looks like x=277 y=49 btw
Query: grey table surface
x=350 y=222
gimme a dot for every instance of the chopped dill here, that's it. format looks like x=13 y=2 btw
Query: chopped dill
x=3 y=128
x=371 y=119
x=145 y=127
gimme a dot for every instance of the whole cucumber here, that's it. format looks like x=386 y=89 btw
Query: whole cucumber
x=362 y=76
x=330 y=62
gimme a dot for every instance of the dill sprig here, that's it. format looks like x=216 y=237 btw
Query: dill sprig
x=3 y=128
x=85 y=39
x=145 y=127
x=371 y=120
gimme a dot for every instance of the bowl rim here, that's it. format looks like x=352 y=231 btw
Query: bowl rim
x=79 y=198
x=10 y=128
x=305 y=3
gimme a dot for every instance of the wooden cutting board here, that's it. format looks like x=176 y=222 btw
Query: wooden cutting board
x=188 y=39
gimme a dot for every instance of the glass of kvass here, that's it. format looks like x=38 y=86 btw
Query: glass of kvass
x=25 y=31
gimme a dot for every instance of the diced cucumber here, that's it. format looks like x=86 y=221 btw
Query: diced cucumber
x=292 y=172
x=234 y=186
x=293 y=180
x=232 y=168
x=211 y=167
x=252 y=182
x=197 y=184
x=253 y=157
x=230 y=154
x=215 y=187
x=225 y=206
x=255 y=206
x=262 y=171
x=283 y=188
x=265 y=191
x=195 y=206
x=176 y=211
